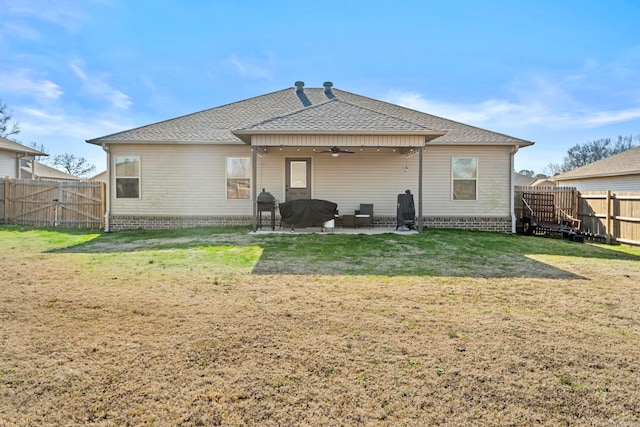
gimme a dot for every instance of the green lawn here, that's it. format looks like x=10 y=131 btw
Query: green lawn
x=218 y=326
x=432 y=253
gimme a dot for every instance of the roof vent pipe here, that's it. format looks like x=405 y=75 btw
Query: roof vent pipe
x=299 y=86
x=327 y=88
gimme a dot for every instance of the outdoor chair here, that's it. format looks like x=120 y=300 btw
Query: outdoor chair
x=364 y=215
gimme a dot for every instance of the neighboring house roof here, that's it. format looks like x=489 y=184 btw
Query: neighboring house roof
x=624 y=163
x=520 y=179
x=289 y=110
x=544 y=182
x=102 y=176
x=43 y=171
x=8 y=145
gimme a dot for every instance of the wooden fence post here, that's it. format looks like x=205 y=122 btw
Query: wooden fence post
x=608 y=219
x=6 y=200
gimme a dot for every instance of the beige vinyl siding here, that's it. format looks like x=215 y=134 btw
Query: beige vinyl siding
x=613 y=183
x=181 y=180
x=8 y=164
x=377 y=177
x=493 y=181
x=367 y=176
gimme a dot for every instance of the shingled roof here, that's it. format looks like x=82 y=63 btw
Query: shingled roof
x=312 y=110
x=625 y=163
x=8 y=145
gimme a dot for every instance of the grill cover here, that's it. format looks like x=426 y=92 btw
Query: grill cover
x=406 y=214
x=307 y=212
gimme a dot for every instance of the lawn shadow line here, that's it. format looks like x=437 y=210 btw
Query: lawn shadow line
x=435 y=252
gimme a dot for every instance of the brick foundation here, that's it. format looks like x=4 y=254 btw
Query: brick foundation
x=117 y=223
x=498 y=224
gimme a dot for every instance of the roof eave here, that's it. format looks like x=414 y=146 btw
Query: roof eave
x=599 y=175
x=245 y=135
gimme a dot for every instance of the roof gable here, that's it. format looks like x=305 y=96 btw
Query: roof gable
x=336 y=116
x=313 y=110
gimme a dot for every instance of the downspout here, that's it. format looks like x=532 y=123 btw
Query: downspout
x=107 y=211
x=512 y=206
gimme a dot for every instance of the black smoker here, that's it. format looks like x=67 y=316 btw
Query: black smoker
x=266 y=203
x=406 y=214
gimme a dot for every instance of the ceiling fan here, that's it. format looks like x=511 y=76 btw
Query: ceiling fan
x=335 y=151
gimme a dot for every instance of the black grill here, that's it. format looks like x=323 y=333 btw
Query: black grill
x=266 y=203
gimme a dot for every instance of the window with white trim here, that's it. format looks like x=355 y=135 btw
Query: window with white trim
x=464 y=177
x=238 y=175
x=128 y=177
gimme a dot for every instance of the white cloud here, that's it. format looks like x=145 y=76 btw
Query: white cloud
x=18 y=29
x=39 y=123
x=535 y=102
x=607 y=117
x=97 y=85
x=23 y=82
x=253 y=68
x=65 y=13
x=61 y=132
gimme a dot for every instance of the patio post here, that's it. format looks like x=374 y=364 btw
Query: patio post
x=254 y=185
x=420 y=150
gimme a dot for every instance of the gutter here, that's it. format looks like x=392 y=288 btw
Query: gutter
x=107 y=211
x=512 y=192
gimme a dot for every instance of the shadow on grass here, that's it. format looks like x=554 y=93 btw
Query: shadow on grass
x=435 y=252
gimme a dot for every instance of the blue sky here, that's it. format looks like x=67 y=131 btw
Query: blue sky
x=554 y=72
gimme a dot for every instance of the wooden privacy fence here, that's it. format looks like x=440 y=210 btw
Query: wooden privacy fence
x=612 y=216
x=565 y=200
x=52 y=203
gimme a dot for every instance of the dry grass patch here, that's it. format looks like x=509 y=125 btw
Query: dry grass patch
x=113 y=339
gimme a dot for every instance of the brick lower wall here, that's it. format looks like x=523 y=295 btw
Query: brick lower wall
x=117 y=223
x=498 y=224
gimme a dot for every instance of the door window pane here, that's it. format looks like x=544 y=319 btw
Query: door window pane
x=298 y=174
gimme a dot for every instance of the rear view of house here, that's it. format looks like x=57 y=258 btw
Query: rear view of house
x=206 y=168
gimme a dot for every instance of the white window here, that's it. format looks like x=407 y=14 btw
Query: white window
x=464 y=174
x=128 y=177
x=238 y=178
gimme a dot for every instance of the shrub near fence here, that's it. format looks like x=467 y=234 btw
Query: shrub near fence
x=52 y=203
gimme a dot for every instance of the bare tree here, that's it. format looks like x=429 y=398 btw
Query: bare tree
x=7 y=126
x=552 y=169
x=47 y=160
x=76 y=166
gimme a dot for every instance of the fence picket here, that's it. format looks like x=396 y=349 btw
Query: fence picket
x=52 y=203
x=608 y=216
